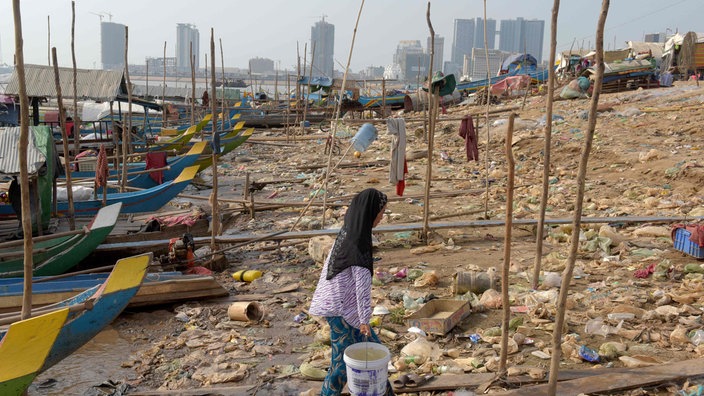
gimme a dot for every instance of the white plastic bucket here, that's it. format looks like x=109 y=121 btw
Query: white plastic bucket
x=364 y=137
x=367 y=365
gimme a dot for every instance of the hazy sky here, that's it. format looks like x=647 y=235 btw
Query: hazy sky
x=273 y=28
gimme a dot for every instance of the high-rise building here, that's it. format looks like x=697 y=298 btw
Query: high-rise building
x=522 y=36
x=407 y=64
x=479 y=64
x=438 y=52
x=187 y=35
x=468 y=34
x=261 y=65
x=462 y=40
x=322 y=38
x=415 y=67
x=479 y=33
x=112 y=45
x=655 y=38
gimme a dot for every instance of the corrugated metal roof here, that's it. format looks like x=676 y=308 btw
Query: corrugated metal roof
x=10 y=153
x=90 y=84
x=171 y=92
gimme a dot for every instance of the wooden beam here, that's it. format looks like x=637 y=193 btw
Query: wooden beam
x=619 y=381
x=390 y=228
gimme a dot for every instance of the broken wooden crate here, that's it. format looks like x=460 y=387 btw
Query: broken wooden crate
x=439 y=316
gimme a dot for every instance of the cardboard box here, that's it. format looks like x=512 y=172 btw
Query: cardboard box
x=439 y=316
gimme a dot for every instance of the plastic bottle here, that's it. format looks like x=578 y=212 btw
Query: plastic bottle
x=417 y=360
x=300 y=317
x=450 y=370
x=621 y=316
x=246 y=275
x=697 y=338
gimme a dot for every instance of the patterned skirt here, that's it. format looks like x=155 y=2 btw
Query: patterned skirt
x=343 y=335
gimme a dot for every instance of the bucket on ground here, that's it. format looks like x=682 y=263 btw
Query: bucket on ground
x=245 y=311
x=476 y=282
x=367 y=365
x=364 y=137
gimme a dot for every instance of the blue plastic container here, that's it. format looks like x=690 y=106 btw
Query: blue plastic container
x=684 y=245
x=364 y=137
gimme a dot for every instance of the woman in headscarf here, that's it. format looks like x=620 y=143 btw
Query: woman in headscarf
x=343 y=295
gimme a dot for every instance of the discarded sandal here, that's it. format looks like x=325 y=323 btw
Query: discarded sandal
x=415 y=380
x=400 y=381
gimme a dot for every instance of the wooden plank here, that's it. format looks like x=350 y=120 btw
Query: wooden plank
x=216 y=391
x=619 y=381
x=390 y=228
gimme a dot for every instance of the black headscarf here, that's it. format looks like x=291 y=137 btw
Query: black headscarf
x=353 y=246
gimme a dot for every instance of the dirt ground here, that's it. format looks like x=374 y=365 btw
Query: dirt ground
x=645 y=162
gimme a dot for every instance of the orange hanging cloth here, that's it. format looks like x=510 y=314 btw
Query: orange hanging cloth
x=101 y=171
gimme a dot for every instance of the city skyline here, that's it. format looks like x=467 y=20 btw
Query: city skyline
x=277 y=36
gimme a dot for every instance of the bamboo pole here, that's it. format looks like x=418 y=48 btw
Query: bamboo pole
x=163 y=93
x=48 y=40
x=547 y=148
x=24 y=174
x=288 y=105
x=216 y=142
x=64 y=140
x=303 y=89
x=126 y=126
x=486 y=120
x=579 y=201
x=76 y=115
x=193 y=84
x=310 y=76
x=222 y=102
x=505 y=303
x=337 y=117
x=433 y=94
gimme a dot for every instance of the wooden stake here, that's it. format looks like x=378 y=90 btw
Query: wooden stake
x=76 y=115
x=216 y=150
x=310 y=76
x=64 y=140
x=125 y=126
x=24 y=170
x=337 y=117
x=222 y=101
x=432 y=106
x=579 y=201
x=547 y=148
x=507 y=247
x=163 y=93
x=488 y=135
x=191 y=56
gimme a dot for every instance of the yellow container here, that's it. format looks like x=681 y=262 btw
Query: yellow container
x=246 y=275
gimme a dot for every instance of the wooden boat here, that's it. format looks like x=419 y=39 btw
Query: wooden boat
x=158 y=288
x=176 y=164
x=107 y=300
x=149 y=200
x=24 y=347
x=226 y=146
x=178 y=141
x=56 y=254
x=278 y=118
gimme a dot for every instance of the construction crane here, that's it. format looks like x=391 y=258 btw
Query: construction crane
x=101 y=15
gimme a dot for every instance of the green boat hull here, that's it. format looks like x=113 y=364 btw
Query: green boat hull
x=16 y=386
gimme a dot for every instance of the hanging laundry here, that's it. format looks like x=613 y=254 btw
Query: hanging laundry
x=156 y=160
x=471 y=143
x=397 y=129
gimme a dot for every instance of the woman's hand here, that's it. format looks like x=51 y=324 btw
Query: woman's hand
x=365 y=330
